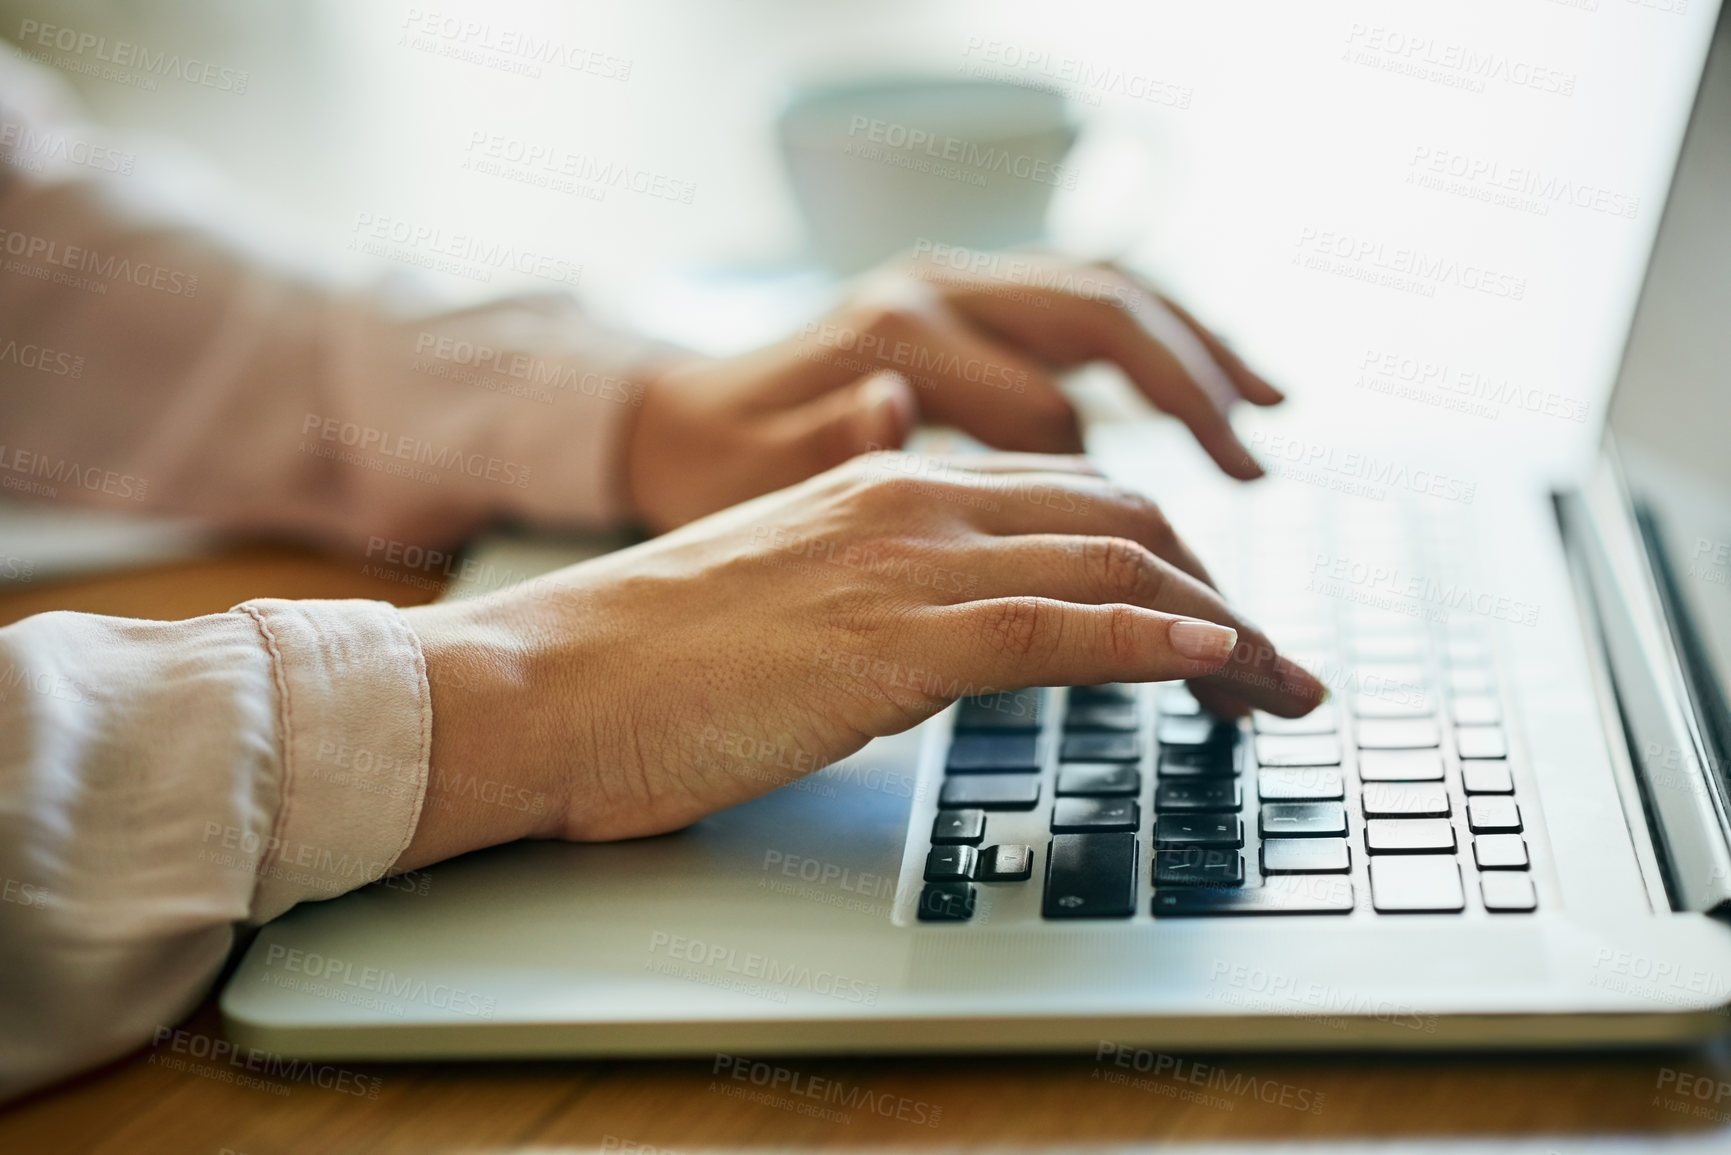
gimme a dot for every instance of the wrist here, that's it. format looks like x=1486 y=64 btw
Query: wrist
x=488 y=780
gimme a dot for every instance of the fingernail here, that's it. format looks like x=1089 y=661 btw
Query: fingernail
x=1203 y=641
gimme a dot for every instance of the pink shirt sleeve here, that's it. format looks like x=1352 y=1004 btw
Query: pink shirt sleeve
x=162 y=781
x=149 y=362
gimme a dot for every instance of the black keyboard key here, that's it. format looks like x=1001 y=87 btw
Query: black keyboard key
x=1183 y=831
x=1195 y=730
x=1508 y=893
x=1117 y=717
x=1009 y=712
x=994 y=753
x=1293 y=894
x=1091 y=876
x=1416 y=884
x=1099 y=780
x=1111 y=692
x=1077 y=815
x=1303 y=820
x=1306 y=856
x=947 y=902
x=1102 y=748
x=1409 y=836
x=1203 y=796
x=1493 y=814
x=1006 y=863
x=1201 y=761
x=1400 y=766
x=1198 y=866
x=958 y=828
x=991 y=792
x=951 y=863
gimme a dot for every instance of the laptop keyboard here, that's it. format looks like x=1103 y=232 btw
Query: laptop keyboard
x=1394 y=797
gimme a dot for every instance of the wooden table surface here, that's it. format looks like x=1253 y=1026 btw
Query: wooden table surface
x=160 y=1100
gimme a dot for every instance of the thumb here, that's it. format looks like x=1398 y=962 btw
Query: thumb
x=876 y=412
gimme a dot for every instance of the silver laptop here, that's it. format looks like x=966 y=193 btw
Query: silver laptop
x=1510 y=825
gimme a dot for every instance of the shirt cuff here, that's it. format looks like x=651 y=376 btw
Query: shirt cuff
x=355 y=727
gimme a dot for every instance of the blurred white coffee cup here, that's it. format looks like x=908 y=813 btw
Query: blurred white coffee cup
x=880 y=165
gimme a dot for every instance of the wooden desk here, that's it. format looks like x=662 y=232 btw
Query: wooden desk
x=142 y=1105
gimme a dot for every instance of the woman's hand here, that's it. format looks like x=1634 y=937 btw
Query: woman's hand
x=648 y=688
x=975 y=347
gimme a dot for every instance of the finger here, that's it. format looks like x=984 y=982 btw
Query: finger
x=844 y=423
x=987 y=390
x=1248 y=384
x=1100 y=313
x=1252 y=386
x=1010 y=643
x=1028 y=463
x=1104 y=570
x=1060 y=503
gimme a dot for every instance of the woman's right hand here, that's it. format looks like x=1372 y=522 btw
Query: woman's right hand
x=650 y=687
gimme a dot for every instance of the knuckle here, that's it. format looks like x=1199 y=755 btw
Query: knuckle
x=1125 y=571
x=1148 y=514
x=1123 y=633
x=1021 y=628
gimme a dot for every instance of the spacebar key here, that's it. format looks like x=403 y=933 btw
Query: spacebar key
x=1091 y=876
x=1294 y=894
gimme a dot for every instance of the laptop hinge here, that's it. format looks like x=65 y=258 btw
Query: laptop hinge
x=1667 y=745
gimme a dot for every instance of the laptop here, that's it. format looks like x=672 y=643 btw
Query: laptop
x=1508 y=827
